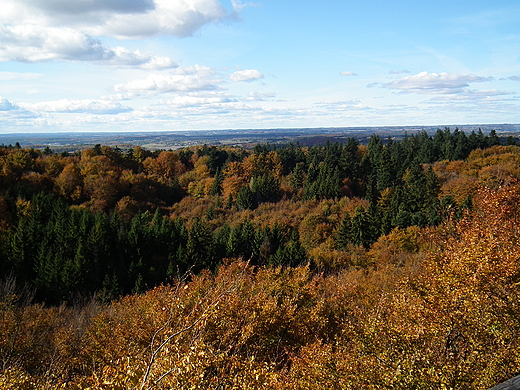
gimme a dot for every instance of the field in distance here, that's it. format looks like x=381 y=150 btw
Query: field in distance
x=70 y=142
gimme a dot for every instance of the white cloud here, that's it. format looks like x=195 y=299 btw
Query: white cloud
x=259 y=96
x=9 y=76
x=191 y=79
x=348 y=73
x=14 y=117
x=6 y=105
x=435 y=83
x=198 y=70
x=91 y=6
x=119 y=18
x=476 y=95
x=29 y=43
x=514 y=78
x=334 y=105
x=122 y=56
x=246 y=75
x=46 y=30
x=101 y=107
x=177 y=18
x=399 y=71
x=196 y=101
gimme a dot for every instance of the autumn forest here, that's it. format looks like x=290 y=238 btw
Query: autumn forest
x=387 y=265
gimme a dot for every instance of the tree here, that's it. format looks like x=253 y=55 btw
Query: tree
x=245 y=199
x=199 y=245
x=216 y=187
x=363 y=231
x=344 y=233
x=298 y=176
x=265 y=188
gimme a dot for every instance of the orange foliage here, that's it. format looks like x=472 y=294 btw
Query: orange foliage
x=234 y=178
x=256 y=165
x=421 y=309
x=166 y=166
x=70 y=182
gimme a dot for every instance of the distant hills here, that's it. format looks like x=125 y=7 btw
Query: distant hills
x=59 y=142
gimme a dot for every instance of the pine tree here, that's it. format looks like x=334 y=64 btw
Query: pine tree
x=364 y=229
x=493 y=139
x=245 y=199
x=199 y=246
x=216 y=187
x=233 y=242
x=248 y=242
x=298 y=176
x=358 y=227
x=349 y=159
x=344 y=233
x=416 y=190
x=386 y=174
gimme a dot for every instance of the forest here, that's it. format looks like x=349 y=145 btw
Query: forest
x=386 y=265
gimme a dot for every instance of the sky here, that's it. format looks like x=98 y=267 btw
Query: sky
x=156 y=65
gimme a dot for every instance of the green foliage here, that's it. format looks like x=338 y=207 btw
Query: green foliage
x=246 y=199
x=112 y=222
x=433 y=311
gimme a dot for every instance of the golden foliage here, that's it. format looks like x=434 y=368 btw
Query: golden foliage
x=421 y=309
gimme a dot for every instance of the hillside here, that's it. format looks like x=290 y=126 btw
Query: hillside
x=387 y=265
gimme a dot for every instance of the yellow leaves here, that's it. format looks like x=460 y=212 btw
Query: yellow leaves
x=491 y=167
x=200 y=188
x=325 y=256
x=166 y=166
x=413 y=321
x=258 y=164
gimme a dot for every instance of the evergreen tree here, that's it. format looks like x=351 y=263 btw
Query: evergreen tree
x=200 y=245
x=265 y=188
x=216 y=188
x=297 y=176
x=245 y=199
x=386 y=174
x=344 y=233
x=249 y=244
x=493 y=138
x=233 y=242
x=349 y=159
x=415 y=188
x=362 y=232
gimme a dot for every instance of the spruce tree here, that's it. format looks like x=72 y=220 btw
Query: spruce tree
x=245 y=199
x=344 y=233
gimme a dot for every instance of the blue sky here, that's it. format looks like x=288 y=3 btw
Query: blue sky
x=146 y=65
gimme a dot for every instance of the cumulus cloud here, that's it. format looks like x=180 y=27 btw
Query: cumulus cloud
x=9 y=76
x=119 y=18
x=6 y=105
x=335 y=105
x=476 y=95
x=196 y=101
x=514 y=78
x=100 y=107
x=348 y=73
x=45 y=30
x=31 y=43
x=191 y=79
x=375 y=84
x=91 y=6
x=246 y=75
x=125 y=57
x=435 y=83
x=259 y=96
